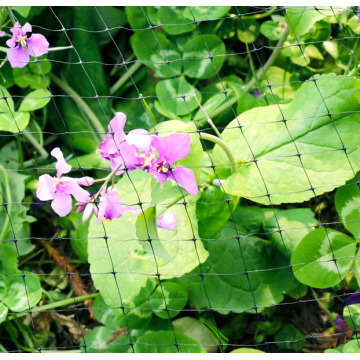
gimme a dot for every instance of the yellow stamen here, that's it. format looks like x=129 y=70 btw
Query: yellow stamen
x=57 y=181
x=162 y=168
x=98 y=150
x=148 y=159
x=21 y=40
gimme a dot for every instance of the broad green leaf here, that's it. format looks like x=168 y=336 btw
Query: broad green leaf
x=352 y=316
x=22 y=10
x=35 y=100
x=227 y=285
x=121 y=253
x=6 y=101
x=198 y=331
x=151 y=48
x=282 y=86
x=213 y=211
x=3 y=312
x=294 y=225
x=33 y=75
x=171 y=15
x=164 y=342
x=347 y=202
x=175 y=296
x=146 y=231
x=14 y=122
x=357 y=268
x=351 y=347
x=289 y=337
x=248 y=31
x=136 y=17
x=205 y=12
x=300 y=19
x=97 y=340
x=170 y=93
x=8 y=260
x=312 y=260
x=272 y=30
x=14 y=294
x=197 y=50
x=105 y=314
x=247 y=350
x=286 y=178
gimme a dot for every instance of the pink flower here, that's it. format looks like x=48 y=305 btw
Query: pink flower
x=59 y=189
x=111 y=207
x=167 y=221
x=22 y=47
x=2 y=33
x=170 y=150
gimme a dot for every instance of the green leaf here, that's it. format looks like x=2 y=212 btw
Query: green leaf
x=8 y=260
x=312 y=260
x=357 y=268
x=175 y=296
x=163 y=342
x=106 y=315
x=170 y=92
x=97 y=340
x=272 y=30
x=352 y=316
x=174 y=15
x=14 y=122
x=315 y=137
x=347 y=200
x=3 y=312
x=213 y=211
x=291 y=338
x=247 y=350
x=33 y=75
x=248 y=31
x=150 y=47
x=198 y=331
x=197 y=50
x=22 y=10
x=205 y=12
x=351 y=347
x=35 y=100
x=227 y=285
x=14 y=294
x=294 y=223
x=300 y=19
x=146 y=231
x=136 y=17
x=120 y=254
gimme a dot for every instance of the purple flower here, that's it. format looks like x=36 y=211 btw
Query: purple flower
x=256 y=93
x=340 y=324
x=170 y=150
x=111 y=207
x=22 y=47
x=87 y=207
x=59 y=189
x=353 y=299
x=2 y=33
x=167 y=221
x=358 y=11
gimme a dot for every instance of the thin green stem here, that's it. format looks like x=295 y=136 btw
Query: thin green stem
x=11 y=15
x=8 y=201
x=20 y=152
x=55 y=305
x=223 y=145
x=43 y=153
x=125 y=77
x=260 y=16
x=80 y=103
x=60 y=48
x=331 y=316
x=148 y=110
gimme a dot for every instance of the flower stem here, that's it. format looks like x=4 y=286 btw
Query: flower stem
x=11 y=15
x=124 y=78
x=43 y=153
x=260 y=16
x=148 y=110
x=59 y=48
x=80 y=103
x=208 y=118
x=55 y=305
x=8 y=201
x=223 y=145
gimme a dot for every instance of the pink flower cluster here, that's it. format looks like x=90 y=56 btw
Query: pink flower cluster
x=139 y=150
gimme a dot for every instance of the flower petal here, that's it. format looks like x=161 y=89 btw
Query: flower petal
x=140 y=138
x=159 y=176
x=161 y=146
x=117 y=124
x=353 y=299
x=62 y=203
x=46 y=189
x=11 y=42
x=87 y=212
x=18 y=57
x=73 y=188
x=61 y=166
x=38 y=45
x=101 y=209
x=185 y=178
x=26 y=28
x=179 y=147
x=85 y=181
x=167 y=221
